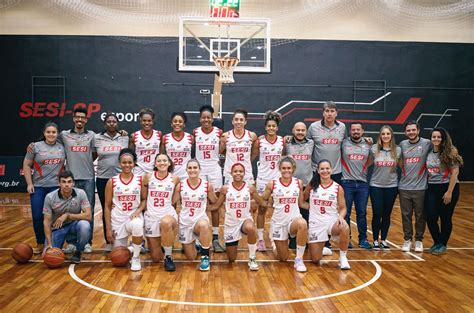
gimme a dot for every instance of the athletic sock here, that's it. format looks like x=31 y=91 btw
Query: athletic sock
x=136 y=250
x=205 y=251
x=215 y=232
x=343 y=254
x=168 y=250
x=260 y=233
x=300 y=251
x=252 y=250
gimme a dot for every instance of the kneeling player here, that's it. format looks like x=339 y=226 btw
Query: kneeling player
x=327 y=209
x=161 y=220
x=193 y=194
x=125 y=199
x=238 y=218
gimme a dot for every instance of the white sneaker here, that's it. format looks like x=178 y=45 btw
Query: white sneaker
x=406 y=246
x=70 y=248
x=299 y=265
x=344 y=263
x=327 y=251
x=418 y=246
x=136 y=266
x=108 y=247
x=253 y=265
x=87 y=248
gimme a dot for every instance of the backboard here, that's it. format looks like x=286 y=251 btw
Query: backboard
x=202 y=39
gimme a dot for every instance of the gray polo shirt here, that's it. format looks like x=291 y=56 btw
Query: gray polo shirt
x=327 y=143
x=355 y=157
x=384 y=174
x=55 y=205
x=79 y=148
x=108 y=150
x=48 y=162
x=438 y=174
x=301 y=152
x=414 y=174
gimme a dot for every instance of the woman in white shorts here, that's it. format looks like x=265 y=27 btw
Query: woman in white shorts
x=192 y=195
x=287 y=197
x=327 y=209
x=207 y=138
x=161 y=219
x=270 y=147
x=125 y=200
x=238 y=219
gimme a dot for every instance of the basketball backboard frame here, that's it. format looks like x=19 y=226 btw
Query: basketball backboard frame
x=202 y=39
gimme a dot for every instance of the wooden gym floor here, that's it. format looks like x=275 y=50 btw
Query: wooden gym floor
x=378 y=281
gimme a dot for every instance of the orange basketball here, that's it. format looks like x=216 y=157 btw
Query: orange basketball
x=54 y=258
x=120 y=256
x=22 y=252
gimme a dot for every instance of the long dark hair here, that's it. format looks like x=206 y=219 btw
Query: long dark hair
x=316 y=180
x=448 y=153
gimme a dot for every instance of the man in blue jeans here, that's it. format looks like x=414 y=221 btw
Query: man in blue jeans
x=355 y=160
x=67 y=212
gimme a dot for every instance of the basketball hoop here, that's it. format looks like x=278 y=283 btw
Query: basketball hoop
x=226 y=66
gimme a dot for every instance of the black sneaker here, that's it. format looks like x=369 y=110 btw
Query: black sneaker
x=76 y=257
x=169 y=264
x=384 y=245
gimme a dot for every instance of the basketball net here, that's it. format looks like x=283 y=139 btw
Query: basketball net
x=226 y=66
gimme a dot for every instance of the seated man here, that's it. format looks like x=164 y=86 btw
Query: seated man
x=67 y=212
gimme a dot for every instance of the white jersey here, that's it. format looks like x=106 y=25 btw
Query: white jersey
x=125 y=199
x=237 y=205
x=146 y=148
x=323 y=206
x=160 y=196
x=270 y=155
x=238 y=150
x=285 y=201
x=179 y=151
x=207 y=148
x=193 y=202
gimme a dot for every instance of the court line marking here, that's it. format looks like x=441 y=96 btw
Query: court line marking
x=378 y=273
x=395 y=245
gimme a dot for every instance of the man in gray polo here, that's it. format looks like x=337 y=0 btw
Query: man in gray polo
x=355 y=161
x=67 y=212
x=412 y=186
x=327 y=135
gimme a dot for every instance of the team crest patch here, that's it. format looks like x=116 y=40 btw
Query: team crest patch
x=313 y=237
x=276 y=234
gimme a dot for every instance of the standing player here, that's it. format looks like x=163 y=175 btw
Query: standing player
x=146 y=143
x=327 y=209
x=47 y=159
x=287 y=197
x=161 y=220
x=108 y=145
x=192 y=194
x=240 y=146
x=270 y=150
x=207 y=139
x=413 y=184
x=443 y=164
x=355 y=161
x=383 y=184
x=125 y=200
x=238 y=217
x=178 y=144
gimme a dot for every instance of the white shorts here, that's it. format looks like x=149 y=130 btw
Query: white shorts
x=215 y=178
x=261 y=186
x=320 y=232
x=152 y=224
x=123 y=230
x=232 y=234
x=281 y=232
x=186 y=233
